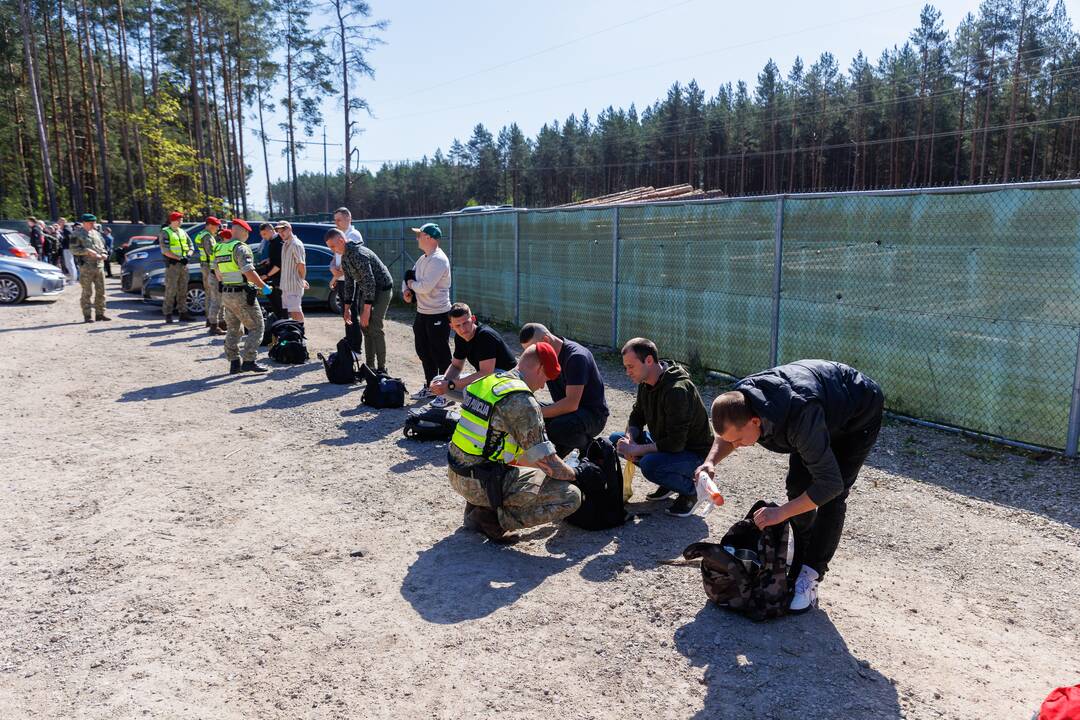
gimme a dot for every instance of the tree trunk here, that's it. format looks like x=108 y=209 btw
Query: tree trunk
x=986 y=113
x=35 y=99
x=345 y=99
x=54 y=87
x=262 y=137
x=24 y=168
x=1013 y=95
x=99 y=118
x=196 y=110
x=240 y=123
x=78 y=199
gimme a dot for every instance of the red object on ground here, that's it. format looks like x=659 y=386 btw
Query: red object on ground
x=1061 y=704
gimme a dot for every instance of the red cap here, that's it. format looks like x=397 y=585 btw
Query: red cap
x=241 y=223
x=549 y=359
x=174 y=216
x=213 y=221
x=226 y=234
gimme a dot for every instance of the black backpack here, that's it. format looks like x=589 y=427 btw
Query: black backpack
x=436 y=424
x=599 y=477
x=269 y=319
x=341 y=367
x=762 y=591
x=288 y=344
x=381 y=391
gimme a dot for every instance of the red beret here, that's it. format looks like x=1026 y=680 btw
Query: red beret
x=241 y=223
x=226 y=234
x=213 y=221
x=174 y=216
x=549 y=359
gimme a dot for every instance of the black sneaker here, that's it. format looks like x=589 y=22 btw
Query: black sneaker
x=234 y=367
x=252 y=366
x=659 y=493
x=682 y=505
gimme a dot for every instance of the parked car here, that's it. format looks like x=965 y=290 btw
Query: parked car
x=318 y=277
x=21 y=278
x=15 y=244
x=132 y=243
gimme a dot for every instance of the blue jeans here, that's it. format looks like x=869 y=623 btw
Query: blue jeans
x=674 y=471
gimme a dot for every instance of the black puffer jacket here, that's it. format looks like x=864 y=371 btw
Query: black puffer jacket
x=804 y=406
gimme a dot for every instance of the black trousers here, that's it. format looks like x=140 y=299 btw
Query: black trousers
x=574 y=430
x=817 y=533
x=431 y=337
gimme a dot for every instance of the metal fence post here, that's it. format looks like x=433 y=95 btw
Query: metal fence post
x=450 y=257
x=778 y=262
x=615 y=279
x=517 y=268
x=401 y=250
x=1072 y=438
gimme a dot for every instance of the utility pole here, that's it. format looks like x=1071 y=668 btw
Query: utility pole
x=325 y=176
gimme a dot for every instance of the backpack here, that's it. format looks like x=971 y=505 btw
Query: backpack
x=268 y=335
x=761 y=592
x=341 y=367
x=431 y=424
x=599 y=478
x=382 y=391
x=287 y=342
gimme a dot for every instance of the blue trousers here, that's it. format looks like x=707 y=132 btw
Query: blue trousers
x=674 y=471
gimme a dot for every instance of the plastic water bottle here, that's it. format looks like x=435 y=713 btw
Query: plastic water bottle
x=708 y=495
x=573 y=459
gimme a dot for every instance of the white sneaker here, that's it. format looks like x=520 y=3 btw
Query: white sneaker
x=441 y=402
x=422 y=394
x=805 y=590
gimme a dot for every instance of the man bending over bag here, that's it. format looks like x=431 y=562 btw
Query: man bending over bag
x=827 y=416
x=501 y=423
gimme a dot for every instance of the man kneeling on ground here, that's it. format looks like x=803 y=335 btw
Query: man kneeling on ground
x=481 y=345
x=827 y=417
x=578 y=411
x=678 y=436
x=501 y=424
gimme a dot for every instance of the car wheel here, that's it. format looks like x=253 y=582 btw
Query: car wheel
x=196 y=299
x=12 y=290
x=334 y=301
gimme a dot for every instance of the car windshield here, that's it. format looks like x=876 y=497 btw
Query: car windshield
x=17 y=239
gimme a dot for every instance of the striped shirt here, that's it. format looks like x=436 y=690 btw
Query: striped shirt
x=292 y=254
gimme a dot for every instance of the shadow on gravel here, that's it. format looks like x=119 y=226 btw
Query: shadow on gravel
x=178 y=389
x=312 y=392
x=423 y=454
x=42 y=327
x=463 y=577
x=796 y=666
x=640 y=544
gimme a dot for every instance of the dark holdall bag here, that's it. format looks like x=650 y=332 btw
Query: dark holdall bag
x=341 y=367
x=431 y=424
x=761 y=585
x=269 y=319
x=287 y=344
x=599 y=477
x=381 y=391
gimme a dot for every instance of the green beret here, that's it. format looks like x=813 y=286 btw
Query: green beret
x=88 y=217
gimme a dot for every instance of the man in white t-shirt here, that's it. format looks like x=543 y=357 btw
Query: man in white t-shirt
x=429 y=284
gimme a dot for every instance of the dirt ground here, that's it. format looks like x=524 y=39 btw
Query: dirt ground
x=181 y=543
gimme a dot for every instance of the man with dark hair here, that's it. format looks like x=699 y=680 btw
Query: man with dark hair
x=578 y=411
x=36 y=237
x=481 y=345
x=678 y=436
x=367 y=289
x=272 y=267
x=827 y=416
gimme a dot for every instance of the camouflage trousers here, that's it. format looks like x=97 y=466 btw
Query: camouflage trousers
x=215 y=313
x=529 y=497
x=176 y=281
x=240 y=315
x=92 y=280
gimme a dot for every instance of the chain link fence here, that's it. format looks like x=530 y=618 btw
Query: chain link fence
x=964 y=303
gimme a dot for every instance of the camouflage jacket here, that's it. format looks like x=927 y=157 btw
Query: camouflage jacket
x=83 y=240
x=518 y=416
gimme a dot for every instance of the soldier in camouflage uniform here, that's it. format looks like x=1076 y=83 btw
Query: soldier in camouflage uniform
x=88 y=247
x=234 y=266
x=205 y=241
x=502 y=423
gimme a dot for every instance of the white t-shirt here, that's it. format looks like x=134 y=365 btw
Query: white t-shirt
x=432 y=283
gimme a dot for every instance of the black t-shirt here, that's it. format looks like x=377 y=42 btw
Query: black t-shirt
x=273 y=257
x=487 y=343
x=579 y=368
x=65 y=238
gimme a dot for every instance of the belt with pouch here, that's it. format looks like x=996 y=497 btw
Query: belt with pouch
x=233 y=288
x=489 y=474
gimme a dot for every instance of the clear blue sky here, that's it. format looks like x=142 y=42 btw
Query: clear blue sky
x=447 y=66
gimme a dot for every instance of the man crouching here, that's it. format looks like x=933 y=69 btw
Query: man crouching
x=501 y=423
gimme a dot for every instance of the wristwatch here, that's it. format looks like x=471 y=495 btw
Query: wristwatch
x=450 y=385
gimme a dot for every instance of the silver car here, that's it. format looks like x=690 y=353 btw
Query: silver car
x=20 y=279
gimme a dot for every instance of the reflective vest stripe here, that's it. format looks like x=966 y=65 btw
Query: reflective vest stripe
x=179 y=242
x=226 y=263
x=473 y=431
x=203 y=257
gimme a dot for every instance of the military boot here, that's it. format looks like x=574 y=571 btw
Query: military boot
x=234 y=366
x=185 y=317
x=252 y=366
x=104 y=317
x=168 y=319
x=87 y=318
x=486 y=521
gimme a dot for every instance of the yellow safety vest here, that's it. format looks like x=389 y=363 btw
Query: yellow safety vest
x=179 y=242
x=473 y=434
x=203 y=257
x=226 y=264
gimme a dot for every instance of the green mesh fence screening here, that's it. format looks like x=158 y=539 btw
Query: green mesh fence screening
x=565 y=261
x=697 y=280
x=966 y=307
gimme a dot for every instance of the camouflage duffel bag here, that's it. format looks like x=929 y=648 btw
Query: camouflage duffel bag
x=759 y=582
